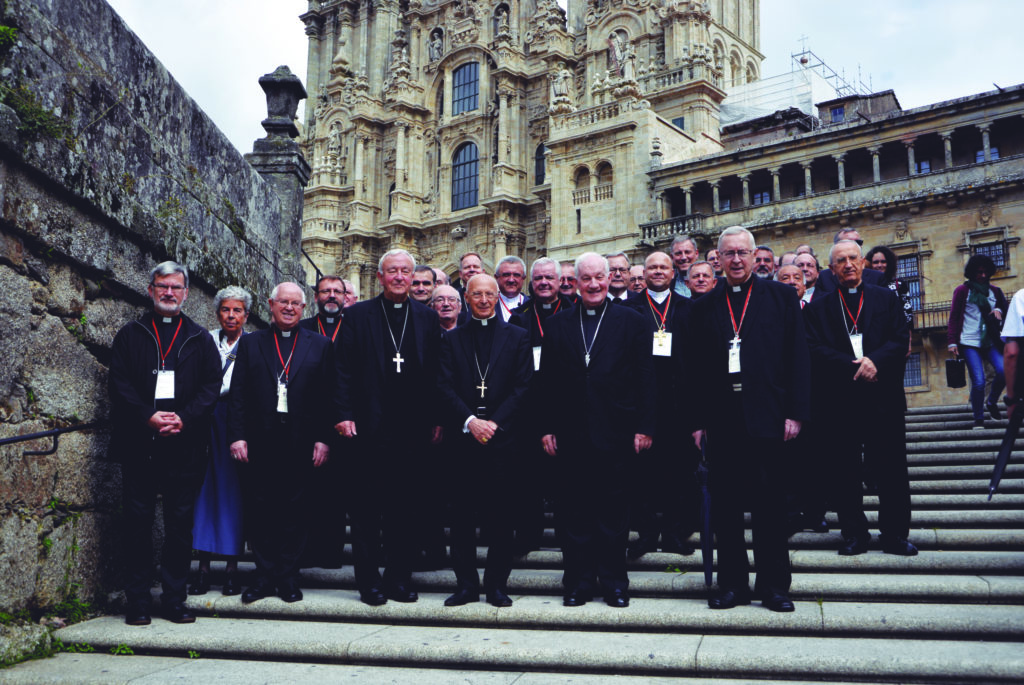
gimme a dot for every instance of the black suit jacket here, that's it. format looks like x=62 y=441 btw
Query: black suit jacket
x=608 y=402
x=886 y=340
x=526 y=317
x=509 y=371
x=775 y=367
x=312 y=406
x=312 y=324
x=827 y=282
x=367 y=349
x=669 y=371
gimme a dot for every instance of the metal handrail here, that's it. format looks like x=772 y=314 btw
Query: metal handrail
x=54 y=433
x=319 y=273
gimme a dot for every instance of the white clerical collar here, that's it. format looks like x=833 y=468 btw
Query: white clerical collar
x=168 y=319
x=853 y=291
x=483 y=322
x=660 y=296
x=547 y=305
x=329 y=319
x=286 y=334
x=737 y=288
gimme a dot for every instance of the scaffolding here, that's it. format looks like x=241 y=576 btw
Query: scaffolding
x=808 y=61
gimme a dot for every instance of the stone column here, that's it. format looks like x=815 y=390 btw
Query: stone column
x=502 y=126
x=364 y=36
x=911 y=162
x=357 y=167
x=500 y=248
x=714 y=196
x=447 y=113
x=808 y=179
x=776 y=185
x=400 y=173
x=985 y=143
x=947 y=147
x=314 y=25
x=876 y=170
x=369 y=167
x=841 y=167
x=660 y=205
x=516 y=155
x=745 y=178
x=688 y=193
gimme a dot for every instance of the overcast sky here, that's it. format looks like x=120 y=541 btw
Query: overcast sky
x=925 y=50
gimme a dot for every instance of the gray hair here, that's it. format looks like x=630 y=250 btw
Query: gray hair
x=233 y=292
x=832 y=250
x=839 y=236
x=737 y=230
x=803 y=279
x=590 y=256
x=682 y=238
x=704 y=262
x=510 y=258
x=544 y=261
x=168 y=269
x=766 y=249
x=277 y=288
x=620 y=253
x=394 y=253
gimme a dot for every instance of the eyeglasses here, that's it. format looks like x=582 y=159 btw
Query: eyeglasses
x=619 y=269
x=636 y=279
x=163 y=286
x=331 y=291
x=742 y=254
x=416 y=283
x=449 y=300
x=291 y=303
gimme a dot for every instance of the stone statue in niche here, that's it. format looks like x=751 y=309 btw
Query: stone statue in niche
x=616 y=50
x=561 y=82
x=436 y=46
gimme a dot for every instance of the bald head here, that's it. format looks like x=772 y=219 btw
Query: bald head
x=482 y=296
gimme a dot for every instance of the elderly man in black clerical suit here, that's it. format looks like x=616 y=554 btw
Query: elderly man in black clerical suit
x=828 y=280
x=665 y=482
x=748 y=334
x=390 y=355
x=486 y=366
x=165 y=377
x=858 y=339
x=599 y=355
x=281 y=409
x=330 y=301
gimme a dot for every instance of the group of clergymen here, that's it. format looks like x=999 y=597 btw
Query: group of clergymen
x=599 y=391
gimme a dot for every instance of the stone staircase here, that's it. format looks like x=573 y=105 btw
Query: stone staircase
x=954 y=613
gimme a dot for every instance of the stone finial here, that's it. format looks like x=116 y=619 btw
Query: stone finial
x=283 y=90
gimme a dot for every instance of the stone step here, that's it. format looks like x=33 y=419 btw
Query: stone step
x=611 y=650
x=989 y=444
x=964 y=408
x=977 y=474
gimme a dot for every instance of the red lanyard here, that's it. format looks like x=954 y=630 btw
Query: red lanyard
x=283 y=365
x=539 y=326
x=504 y=306
x=657 y=316
x=337 y=327
x=743 y=315
x=160 y=347
x=859 y=308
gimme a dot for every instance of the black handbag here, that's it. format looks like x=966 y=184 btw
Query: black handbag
x=956 y=373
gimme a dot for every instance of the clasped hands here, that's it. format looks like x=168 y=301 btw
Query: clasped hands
x=165 y=423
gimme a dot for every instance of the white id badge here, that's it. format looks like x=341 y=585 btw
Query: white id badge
x=536 y=358
x=662 y=344
x=857 y=342
x=282 y=398
x=164 y=385
x=734 y=356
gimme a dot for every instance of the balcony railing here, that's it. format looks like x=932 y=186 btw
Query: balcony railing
x=602 y=192
x=932 y=316
x=657 y=231
x=581 y=196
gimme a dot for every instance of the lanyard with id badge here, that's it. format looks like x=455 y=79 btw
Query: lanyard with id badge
x=282 y=385
x=856 y=339
x=734 y=344
x=164 y=378
x=540 y=329
x=662 y=338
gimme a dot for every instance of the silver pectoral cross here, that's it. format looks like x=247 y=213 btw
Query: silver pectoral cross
x=397 y=359
x=482 y=388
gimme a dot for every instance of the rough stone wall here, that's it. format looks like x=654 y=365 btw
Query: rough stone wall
x=106 y=168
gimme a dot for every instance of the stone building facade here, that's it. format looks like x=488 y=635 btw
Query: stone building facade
x=513 y=127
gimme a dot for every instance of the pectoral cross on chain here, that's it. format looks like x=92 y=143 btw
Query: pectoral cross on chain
x=482 y=388
x=397 y=359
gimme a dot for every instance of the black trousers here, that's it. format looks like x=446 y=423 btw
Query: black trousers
x=664 y=483
x=594 y=514
x=277 y=482
x=748 y=474
x=159 y=470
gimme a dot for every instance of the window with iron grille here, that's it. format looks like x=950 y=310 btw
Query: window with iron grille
x=908 y=270
x=912 y=374
x=465 y=88
x=465 y=176
x=997 y=251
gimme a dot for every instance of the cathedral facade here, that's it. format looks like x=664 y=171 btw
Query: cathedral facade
x=514 y=127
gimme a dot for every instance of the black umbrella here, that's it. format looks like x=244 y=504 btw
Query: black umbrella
x=707 y=542
x=1009 y=440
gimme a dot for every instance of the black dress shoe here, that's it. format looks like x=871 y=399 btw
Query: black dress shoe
x=576 y=598
x=231 y=585
x=290 y=592
x=177 y=612
x=993 y=411
x=778 y=602
x=617 y=598
x=400 y=593
x=462 y=596
x=898 y=546
x=201 y=585
x=137 y=615
x=727 y=599
x=498 y=598
x=854 y=545
x=640 y=547
x=373 y=597
x=258 y=591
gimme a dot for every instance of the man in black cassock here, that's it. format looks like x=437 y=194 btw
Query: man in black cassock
x=330 y=301
x=664 y=480
x=486 y=367
x=391 y=346
x=858 y=339
x=165 y=377
x=748 y=334
x=596 y=354
x=281 y=409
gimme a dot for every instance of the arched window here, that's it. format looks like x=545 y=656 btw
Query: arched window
x=465 y=176
x=465 y=88
x=751 y=73
x=603 y=190
x=390 y=190
x=539 y=164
